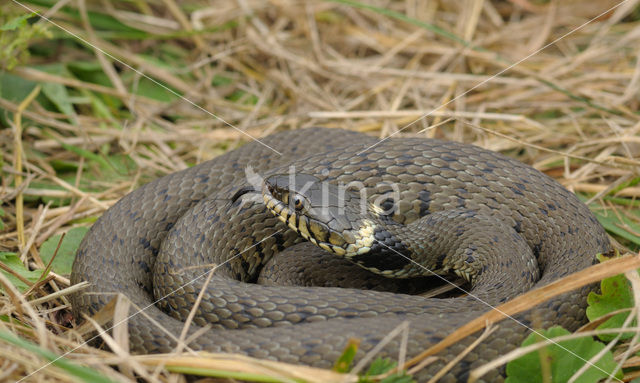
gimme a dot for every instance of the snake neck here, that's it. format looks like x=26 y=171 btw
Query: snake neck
x=458 y=242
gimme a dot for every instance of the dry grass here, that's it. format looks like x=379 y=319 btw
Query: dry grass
x=248 y=68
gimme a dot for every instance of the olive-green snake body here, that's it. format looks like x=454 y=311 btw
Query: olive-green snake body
x=462 y=209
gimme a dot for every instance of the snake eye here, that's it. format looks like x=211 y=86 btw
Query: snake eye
x=298 y=202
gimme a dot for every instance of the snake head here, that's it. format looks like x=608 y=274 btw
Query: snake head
x=325 y=214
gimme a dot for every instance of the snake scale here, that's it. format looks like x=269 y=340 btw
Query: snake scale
x=500 y=223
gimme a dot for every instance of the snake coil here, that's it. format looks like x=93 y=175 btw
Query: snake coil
x=468 y=211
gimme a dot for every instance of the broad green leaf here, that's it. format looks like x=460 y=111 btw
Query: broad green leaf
x=14 y=88
x=619 y=224
x=67 y=252
x=563 y=360
x=57 y=93
x=12 y=260
x=150 y=89
x=89 y=71
x=616 y=294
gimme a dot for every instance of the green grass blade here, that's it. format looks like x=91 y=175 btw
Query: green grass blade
x=83 y=373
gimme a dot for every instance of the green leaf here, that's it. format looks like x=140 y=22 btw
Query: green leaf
x=85 y=374
x=381 y=366
x=14 y=88
x=616 y=294
x=150 y=89
x=57 y=93
x=618 y=224
x=343 y=364
x=99 y=21
x=563 y=361
x=16 y=22
x=402 y=17
x=12 y=260
x=398 y=377
x=67 y=252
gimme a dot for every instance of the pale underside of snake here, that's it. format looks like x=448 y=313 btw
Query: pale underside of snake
x=461 y=210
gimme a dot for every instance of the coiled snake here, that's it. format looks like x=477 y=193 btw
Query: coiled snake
x=460 y=210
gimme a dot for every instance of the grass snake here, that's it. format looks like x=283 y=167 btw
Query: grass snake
x=462 y=210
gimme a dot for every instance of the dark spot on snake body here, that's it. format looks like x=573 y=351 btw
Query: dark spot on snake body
x=392 y=256
x=145 y=243
x=489 y=167
x=551 y=206
x=425 y=200
x=202 y=178
x=544 y=211
x=367 y=168
x=516 y=191
x=166 y=198
x=144 y=266
x=448 y=158
x=470 y=213
x=382 y=235
x=279 y=240
x=388 y=205
x=95 y=306
x=244 y=264
x=536 y=250
x=518 y=227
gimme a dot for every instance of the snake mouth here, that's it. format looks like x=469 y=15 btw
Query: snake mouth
x=293 y=209
x=323 y=226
